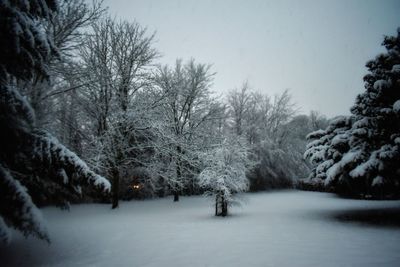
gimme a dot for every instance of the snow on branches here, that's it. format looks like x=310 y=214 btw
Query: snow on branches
x=359 y=155
x=225 y=173
x=33 y=164
x=24 y=44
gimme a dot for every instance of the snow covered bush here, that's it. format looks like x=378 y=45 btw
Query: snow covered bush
x=360 y=155
x=225 y=174
x=33 y=164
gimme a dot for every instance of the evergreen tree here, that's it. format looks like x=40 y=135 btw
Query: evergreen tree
x=368 y=164
x=32 y=162
x=325 y=149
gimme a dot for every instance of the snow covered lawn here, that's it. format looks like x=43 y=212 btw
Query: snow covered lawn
x=290 y=228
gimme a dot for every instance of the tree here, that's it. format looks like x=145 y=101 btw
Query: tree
x=116 y=59
x=293 y=164
x=264 y=123
x=325 y=148
x=32 y=162
x=188 y=108
x=369 y=151
x=317 y=121
x=239 y=107
x=66 y=30
x=224 y=174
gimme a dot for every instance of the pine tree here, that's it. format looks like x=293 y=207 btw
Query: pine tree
x=326 y=148
x=369 y=167
x=32 y=162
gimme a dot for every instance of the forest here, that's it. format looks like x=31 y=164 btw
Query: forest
x=88 y=114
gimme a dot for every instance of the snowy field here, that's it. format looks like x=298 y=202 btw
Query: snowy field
x=289 y=228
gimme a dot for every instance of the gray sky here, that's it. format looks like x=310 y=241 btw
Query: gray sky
x=317 y=49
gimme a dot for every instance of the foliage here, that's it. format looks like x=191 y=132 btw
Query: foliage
x=359 y=155
x=32 y=162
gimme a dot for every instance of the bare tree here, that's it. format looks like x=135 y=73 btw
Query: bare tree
x=116 y=60
x=263 y=122
x=66 y=30
x=188 y=107
x=317 y=121
x=239 y=103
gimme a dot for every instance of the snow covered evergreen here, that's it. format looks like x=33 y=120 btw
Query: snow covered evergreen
x=327 y=147
x=33 y=164
x=360 y=155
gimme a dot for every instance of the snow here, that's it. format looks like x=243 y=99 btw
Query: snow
x=225 y=170
x=377 y=181
x=381 y=84
x=17 y=104
x=5 y=233
x=332 y=172
x=362 y=123
x=316 y=153
x=48 y=147
x=340 y=139
x=64 y=176
x=396 y=106
x=289 y=228
x=322 y=167
x=351 y=157
x=364 y=168
x=30 y=220
x=316 y=134
x=338 y=167
x=397 y=140
x=396 y=68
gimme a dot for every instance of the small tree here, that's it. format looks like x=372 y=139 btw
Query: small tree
x=225 y=174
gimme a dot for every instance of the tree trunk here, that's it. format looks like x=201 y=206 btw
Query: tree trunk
x=216 y=204
x=115 y=188
x=224 y=207
x=178 y=173
x=176 y=196
x=221 y=205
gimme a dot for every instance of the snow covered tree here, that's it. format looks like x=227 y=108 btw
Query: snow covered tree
x=188 y=109
x=239 y=101
x=66 y=30
x=265 y=124
x=33 y=164
x=224 y=174
x=367 y=163
x=22 y=36
x=326 y=147
x=115 y=65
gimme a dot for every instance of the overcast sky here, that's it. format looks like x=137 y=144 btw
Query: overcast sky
x=317 y=49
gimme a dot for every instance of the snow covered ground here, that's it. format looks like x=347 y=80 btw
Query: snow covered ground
x=289 y=228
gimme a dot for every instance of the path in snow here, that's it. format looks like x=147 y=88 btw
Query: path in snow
x=290 y=228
